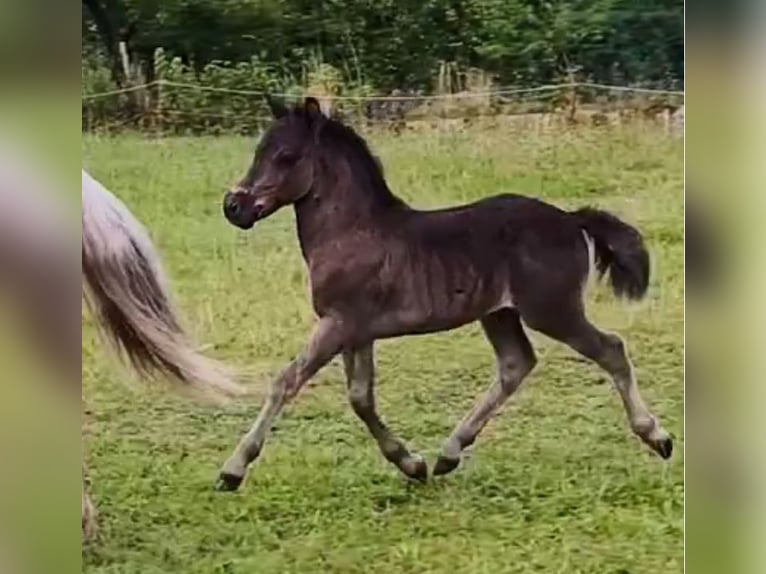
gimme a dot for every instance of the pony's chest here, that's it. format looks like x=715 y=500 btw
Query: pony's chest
x=343 y=276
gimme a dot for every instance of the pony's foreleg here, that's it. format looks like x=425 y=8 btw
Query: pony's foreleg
x=324 y=344
x=360 y=374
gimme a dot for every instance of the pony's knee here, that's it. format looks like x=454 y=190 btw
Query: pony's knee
x=278 y=393
x=359 y=400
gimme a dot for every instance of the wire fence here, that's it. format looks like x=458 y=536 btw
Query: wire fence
x=476 y=94
x=170 y=107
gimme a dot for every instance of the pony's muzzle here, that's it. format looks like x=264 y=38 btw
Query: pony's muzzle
x=238 y=212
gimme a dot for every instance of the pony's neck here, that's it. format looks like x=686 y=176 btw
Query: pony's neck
x=344 y=196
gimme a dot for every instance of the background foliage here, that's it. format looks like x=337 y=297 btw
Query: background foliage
x=390 y=44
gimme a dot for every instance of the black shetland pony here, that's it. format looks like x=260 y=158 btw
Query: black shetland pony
x=380 y=268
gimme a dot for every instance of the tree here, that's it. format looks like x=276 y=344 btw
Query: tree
x=400 y=43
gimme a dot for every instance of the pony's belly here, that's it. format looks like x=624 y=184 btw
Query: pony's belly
x=384 y=328
x=434 y=319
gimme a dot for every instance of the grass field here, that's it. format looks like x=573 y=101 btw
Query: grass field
x=556 y=483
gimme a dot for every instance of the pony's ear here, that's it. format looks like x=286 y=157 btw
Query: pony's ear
x=277 y=106
x=313 y=109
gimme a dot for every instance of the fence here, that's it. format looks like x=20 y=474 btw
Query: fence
x=168 y=107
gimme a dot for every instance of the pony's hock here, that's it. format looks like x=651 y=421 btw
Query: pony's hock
x=380 y=268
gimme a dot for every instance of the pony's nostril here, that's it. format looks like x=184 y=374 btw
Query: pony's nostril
x=230 y=204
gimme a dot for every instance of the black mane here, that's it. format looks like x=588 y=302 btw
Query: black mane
x=336 y=139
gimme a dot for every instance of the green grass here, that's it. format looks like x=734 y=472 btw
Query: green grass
x=556 y=483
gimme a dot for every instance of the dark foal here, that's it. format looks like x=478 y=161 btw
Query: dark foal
x=379 y=268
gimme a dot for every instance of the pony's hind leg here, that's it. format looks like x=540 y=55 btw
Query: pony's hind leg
x=515 y=360
x=608 y=351
x=360 y=373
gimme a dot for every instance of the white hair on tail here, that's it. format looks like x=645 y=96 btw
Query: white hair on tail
x=127 y=291
x=591 y=254
x=591 y=277
x=108 y=222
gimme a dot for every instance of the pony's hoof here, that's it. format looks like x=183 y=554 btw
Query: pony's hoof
x=415 y=468
x=445 y=465
x=228 y=482
x=664 y=447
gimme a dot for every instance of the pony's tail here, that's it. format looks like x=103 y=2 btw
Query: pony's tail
x=126 y=290
x=619 y=248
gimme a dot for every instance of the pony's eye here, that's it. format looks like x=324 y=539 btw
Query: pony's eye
x=286 y=157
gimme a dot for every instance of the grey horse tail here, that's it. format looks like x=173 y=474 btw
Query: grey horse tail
x=126 y=291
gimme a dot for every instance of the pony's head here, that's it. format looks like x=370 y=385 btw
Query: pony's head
x=282 y=171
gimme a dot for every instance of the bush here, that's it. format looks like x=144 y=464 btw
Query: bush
x=222 y=97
